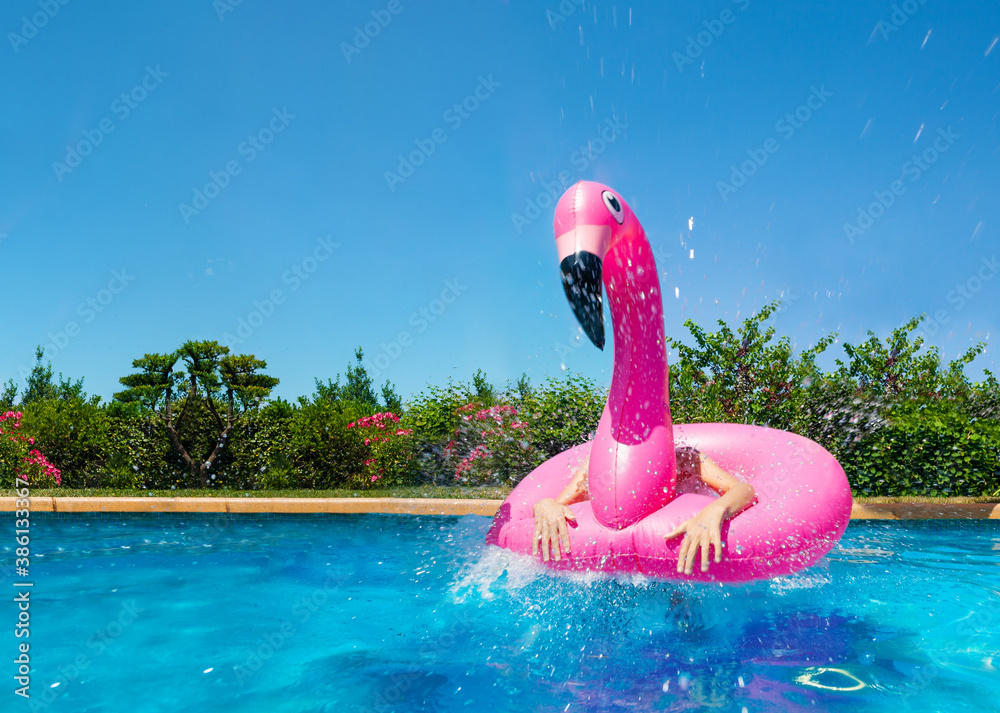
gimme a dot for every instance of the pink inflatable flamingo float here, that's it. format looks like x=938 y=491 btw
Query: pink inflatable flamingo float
x=803 y=498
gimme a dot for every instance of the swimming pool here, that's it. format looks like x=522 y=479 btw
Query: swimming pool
x=407 y=613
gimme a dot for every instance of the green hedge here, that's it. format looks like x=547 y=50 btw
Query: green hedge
x=901 y=422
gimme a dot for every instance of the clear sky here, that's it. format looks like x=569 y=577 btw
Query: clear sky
x=298 y=179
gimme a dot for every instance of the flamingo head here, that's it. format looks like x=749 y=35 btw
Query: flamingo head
x=590 y=220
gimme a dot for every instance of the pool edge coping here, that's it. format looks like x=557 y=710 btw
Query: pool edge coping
x=426 y=506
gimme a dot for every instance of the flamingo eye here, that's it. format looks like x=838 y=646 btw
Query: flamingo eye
x=614 y=206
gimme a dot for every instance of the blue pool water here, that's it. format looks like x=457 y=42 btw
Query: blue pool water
x=404 y=613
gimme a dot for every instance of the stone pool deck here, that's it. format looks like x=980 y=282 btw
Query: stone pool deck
x=430 y=506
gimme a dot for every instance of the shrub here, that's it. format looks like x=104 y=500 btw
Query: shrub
x=561 y=413
x=928 y=450
x=20 y=459
x=433 y=417
x=390 y=454
x=490 y=446
x=259 y=449
x=740 y=377
x=75 y=434
x=324 y=452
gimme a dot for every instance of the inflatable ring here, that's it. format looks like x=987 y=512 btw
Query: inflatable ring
x=803 y=500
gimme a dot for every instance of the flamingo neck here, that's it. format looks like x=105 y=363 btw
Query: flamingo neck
x=632 y=460
x=639 y=398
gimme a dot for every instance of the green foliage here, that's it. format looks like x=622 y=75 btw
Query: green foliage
x=390 y=458
x=433 y=413
x=153 y=383
x=8 y=397
x=393 y=402
x=460 y=438
x=322 y=450
x=740 y=377
x=485 y=394
x=76 y=436
x=215 y=381
x=258 y=449
x=929 y=450
x=899 y=420
x=984 y=398
x=491 y=446
x=562 y=413
x=358 y=388
x=20 y=456
x=39 y=384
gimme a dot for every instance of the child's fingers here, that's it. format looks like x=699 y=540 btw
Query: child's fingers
x=692 y=552
x=544 y=542
x=682 y=554
x=717 y=541
x=676 y=531
x=564 y=535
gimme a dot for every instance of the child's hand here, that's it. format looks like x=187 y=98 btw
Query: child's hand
x=551 y=528
x=703 y=530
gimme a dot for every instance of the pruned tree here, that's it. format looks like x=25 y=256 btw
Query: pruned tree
x=208 y=375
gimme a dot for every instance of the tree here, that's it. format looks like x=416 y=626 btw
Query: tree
x=392 y=401
x=358 y=388
x=8 y=397
x=485 y=393
x=209 y=374
x=40 y=386
x=899 y=371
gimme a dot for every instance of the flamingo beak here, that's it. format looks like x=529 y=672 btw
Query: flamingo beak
x=581 y=277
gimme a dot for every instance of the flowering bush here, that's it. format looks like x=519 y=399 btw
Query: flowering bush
x=19 y=459
x=389 y=451
x=491 y=446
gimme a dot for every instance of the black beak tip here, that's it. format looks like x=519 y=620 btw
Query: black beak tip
x=581 y=275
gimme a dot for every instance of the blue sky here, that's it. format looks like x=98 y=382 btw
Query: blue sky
x=754 y=141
